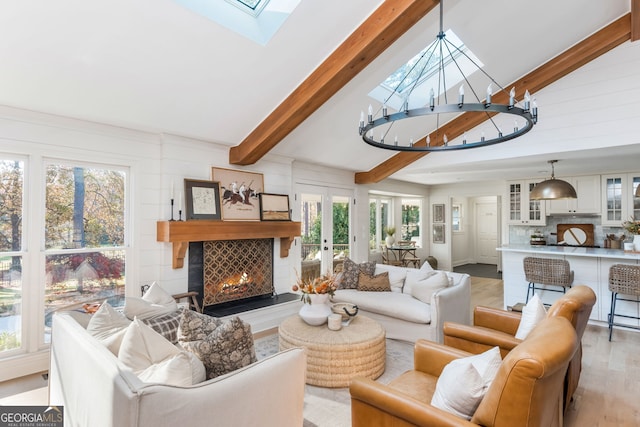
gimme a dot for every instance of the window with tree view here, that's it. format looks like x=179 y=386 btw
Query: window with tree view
x=11 y=196
x=411 y=220
x=84 y=237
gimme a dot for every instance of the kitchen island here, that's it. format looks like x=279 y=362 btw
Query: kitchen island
x=590 y=266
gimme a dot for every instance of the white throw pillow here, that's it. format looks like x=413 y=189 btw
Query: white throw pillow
x=108 y=326
x=156 y=295
x=414 y=277
x=424 y=289
x=464 y=382
x=532 y=314
x=426 y=267
x=154 y=359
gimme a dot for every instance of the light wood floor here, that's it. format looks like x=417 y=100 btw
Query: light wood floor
x=608 y=393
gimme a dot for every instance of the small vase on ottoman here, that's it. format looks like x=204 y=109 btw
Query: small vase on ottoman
x=315 y=296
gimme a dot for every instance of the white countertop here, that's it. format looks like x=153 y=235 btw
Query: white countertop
x=572 y=251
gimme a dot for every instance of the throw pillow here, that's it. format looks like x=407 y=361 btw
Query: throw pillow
x=195 y=326
x=108 y=326
x=155 y=302
x=228 y=348
x=377 y=283
x=426 y=267
x=423 y=289
x=351 y=272
x=464 y=382
x=156 y=295
x=413 y=277
x=154 y=359
x=166 y=325
x=532 y=314
x=397 y=275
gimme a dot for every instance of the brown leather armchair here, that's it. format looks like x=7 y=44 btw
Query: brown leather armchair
x=527 y=391
x=493 y=327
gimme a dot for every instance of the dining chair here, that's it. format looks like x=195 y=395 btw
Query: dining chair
x=409 y=257
x=388 y=258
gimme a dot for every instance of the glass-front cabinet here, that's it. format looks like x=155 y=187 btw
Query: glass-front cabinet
x=618 y=198
x=523 y=211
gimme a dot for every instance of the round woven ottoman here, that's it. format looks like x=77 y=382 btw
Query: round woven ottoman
x=336 y=357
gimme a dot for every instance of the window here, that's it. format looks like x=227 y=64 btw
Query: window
x=456 y=218
x=427 y=60
x=411 y=220
x=245 y=17
x=11 y=255
x=84 y=237
x=380 y=217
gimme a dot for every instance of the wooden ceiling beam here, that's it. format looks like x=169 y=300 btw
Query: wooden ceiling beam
x=635 y=20
x=391 y=20
x=570 y=60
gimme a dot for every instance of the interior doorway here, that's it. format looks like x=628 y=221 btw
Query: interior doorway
x=486 y=219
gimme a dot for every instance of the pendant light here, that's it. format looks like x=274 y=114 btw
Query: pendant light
x=553 y=188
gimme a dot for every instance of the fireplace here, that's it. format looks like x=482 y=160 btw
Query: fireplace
x=225 y=272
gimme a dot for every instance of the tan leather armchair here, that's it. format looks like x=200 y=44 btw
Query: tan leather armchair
x=492 y=327
x=527 y=390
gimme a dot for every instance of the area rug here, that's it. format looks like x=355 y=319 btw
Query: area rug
x=331 y=407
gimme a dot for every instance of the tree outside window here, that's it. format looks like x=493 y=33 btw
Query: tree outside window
x=11 y=213
x=84 y=237
x=411 y=220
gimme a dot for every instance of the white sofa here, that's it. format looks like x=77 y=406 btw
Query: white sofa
x=407 y=318
x=96 y=389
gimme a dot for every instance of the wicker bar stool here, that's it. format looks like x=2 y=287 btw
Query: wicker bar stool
x=624 y=279
x=547 y=272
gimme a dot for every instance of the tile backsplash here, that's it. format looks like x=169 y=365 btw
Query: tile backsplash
x=519 y=234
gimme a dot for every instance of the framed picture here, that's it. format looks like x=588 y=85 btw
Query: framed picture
x=438 y=233
x=202 y=199
x=438 y=213
x=274 y=207
x=240 y=193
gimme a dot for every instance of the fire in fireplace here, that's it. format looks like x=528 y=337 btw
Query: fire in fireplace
x=237 y=269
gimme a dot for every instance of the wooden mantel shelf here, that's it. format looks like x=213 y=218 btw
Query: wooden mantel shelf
x=180 y=233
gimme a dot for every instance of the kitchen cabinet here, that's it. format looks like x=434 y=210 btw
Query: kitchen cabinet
x=522 y=210
x=588 y=201
x=618 y=201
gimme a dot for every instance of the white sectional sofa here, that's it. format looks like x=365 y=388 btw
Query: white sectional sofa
x=406 y=317
x=97 y=390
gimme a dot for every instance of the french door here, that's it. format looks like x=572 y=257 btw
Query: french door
x=325 y=214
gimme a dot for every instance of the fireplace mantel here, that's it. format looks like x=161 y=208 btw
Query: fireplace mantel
x=180 y=233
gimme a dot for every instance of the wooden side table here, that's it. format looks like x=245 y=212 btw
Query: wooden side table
x=334 y=358
x=192 y=297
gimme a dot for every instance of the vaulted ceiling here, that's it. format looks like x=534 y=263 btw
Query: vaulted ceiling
x=155 y=66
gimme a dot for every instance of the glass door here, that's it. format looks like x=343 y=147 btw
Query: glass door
x=325 y=214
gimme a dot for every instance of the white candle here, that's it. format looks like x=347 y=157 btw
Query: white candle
x=172 y=190
x=180 y=200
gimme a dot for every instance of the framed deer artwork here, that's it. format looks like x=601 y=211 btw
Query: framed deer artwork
x=240 y=193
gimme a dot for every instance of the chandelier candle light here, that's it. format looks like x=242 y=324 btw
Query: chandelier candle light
x=444 y=52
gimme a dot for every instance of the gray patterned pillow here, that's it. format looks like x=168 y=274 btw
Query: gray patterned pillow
x=166 y=325
x=351 y=272
x=195 y=326
x=228 y=348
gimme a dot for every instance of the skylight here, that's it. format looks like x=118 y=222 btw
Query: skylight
x=258 y=20
x=252 y=7
x=384 y=92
